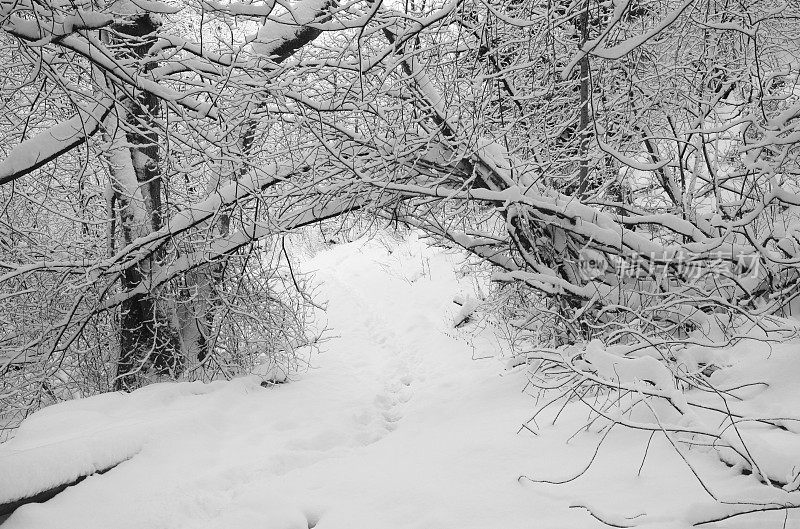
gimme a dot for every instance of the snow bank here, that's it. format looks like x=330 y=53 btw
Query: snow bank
x=763 y=379
x=62 y=443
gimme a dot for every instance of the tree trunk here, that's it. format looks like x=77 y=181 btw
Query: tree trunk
x=149 y=340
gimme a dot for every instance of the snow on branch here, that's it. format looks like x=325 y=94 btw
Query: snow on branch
x=190 y=217
x=319 y=210
x=240 y=8
x=624 y=48
x=282 y=37
x=48 y=145
x=40 y=34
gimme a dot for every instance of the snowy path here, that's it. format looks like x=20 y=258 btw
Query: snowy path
x=395 y=426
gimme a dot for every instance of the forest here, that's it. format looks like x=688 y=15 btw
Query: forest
x=619 y=178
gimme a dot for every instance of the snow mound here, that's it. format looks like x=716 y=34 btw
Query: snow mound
x=62 y=443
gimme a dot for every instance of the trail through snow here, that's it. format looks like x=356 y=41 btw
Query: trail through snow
x=394 y=426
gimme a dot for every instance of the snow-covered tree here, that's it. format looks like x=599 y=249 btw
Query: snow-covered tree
x=131 y=183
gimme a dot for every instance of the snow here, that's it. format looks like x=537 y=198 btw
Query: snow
x=468 y=305
x=768 y=375
x=49 y=144
x=242 y=8
x=278 y=32
x=93 y=433
x=625 y=47
x=394 y=425
x=622 y=370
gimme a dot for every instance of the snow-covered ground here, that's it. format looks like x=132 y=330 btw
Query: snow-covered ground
x=395 y=425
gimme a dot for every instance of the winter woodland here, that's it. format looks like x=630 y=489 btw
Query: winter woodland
x=215 y=210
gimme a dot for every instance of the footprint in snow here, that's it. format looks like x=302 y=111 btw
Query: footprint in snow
x=405 y=394
x=392 y=415
x=364 y=417
x=384 y=402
